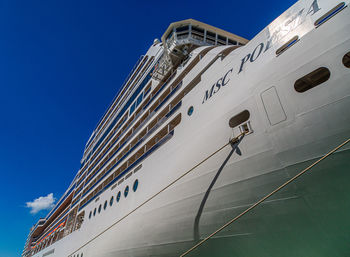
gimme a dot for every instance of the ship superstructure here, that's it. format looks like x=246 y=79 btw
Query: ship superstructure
x=188 y=95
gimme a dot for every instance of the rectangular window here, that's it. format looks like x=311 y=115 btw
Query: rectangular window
x=232 y=42
x=132 y=108
x=139 y=99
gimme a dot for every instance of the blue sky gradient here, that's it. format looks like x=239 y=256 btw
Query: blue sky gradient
x=61 y=63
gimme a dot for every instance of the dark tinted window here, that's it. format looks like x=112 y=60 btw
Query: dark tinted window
x=118 y=196
x=211 y=34
x=190 y=111
x=111 y=201
x=94 y=211
x=105 y=205
x=99 y=208
x=232 y=42
x=222 y=38
x=312 y=79
x=239 y=118
x=126 y=191
x=346 y=60
x=90 y=214
x=199 y=30
x=183 y=28
x=135 y=186
x=197 y=33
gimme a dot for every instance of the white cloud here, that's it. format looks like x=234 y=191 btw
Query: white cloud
x=41 y=203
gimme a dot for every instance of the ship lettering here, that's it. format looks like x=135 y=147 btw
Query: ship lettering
x=314 y=8
x=216 y=86
x=278 y=33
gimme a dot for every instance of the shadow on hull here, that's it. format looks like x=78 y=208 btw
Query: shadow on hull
x=310 y=217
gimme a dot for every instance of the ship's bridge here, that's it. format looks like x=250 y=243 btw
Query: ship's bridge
x=183 y=36
x=198 y=33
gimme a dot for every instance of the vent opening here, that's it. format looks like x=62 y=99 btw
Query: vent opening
x=239 y=118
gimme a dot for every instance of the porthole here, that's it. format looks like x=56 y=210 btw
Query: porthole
x=81 y=255
x=118 y=196
x=190 y=111
x=111 y=201
x=135 y=186
x=99 y=208
x=105 y=205
x=94 y=211
x=346 y=60
x=90 y=214
x=312 y=79
x=126 y=191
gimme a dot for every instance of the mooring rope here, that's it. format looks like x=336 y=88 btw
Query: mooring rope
x=162 y=190
x=265 y=197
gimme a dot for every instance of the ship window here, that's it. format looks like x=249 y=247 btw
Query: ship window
x=81 y=255
x=221 y=40
x=330 y=14
x=99 y=208
x=169 y=36
x=183 y=28
x=346 y=60
x=190 y=111
x=132 y=108
x=147 y=90
x=198 y=33
x=90 y=214
x=287 y=45
x=139 y=100
x=232 y=42
x=210 y=37
x=118 y=196
x=182 y=32
x=239 y=118
x=135 y=186
x=105 y=205
x=312 y=79
x=94 y=211
x=126 y=191
x=111 y=201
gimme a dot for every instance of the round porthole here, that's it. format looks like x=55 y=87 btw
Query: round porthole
x=90 y=214
x=126 y=191
x=135 y=186
x=111 y=201
x=346 y=60
x=94 y=211
x=99 y=208
x=105 y=205
x=118 y=196
x=190 y=111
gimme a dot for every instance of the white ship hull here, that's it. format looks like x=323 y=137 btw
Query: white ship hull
x=311 y=207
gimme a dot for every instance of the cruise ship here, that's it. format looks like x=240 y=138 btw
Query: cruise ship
x=219 y=146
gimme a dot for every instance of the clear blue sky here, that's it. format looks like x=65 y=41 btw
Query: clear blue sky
x=61 y=62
